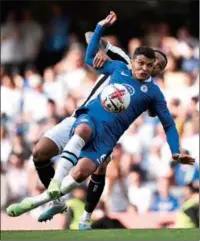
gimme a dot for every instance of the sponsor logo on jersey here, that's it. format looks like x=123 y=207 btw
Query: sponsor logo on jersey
x=130 y=89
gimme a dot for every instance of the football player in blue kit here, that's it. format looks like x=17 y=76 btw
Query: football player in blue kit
x=96 y=131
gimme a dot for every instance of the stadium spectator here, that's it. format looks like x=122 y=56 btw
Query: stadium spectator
x=115 y=194
x=188 y=215
x=163 y=201
x=75 y=208
x=6 y=147
x=31 y=38
x=56 y=37
x=11 y=52
x=138 y=194
x=18 y=186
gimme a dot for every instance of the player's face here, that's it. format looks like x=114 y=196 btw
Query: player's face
x=142 y=67
x=159 y=64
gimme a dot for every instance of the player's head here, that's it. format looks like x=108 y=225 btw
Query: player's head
x=142 y=62
x=160 y=62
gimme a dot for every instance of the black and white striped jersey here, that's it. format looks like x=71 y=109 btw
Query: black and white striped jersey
x=115 y=53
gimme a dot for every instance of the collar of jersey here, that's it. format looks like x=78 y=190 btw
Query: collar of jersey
x=147 y=80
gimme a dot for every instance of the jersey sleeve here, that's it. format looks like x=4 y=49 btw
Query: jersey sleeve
x=116 y=53
x=110 y=66
x=162 y=111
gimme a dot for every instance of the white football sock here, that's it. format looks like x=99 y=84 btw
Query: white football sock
x=86 y=217
x=64 y=198
x=68 y=184
x=41 y=199
x=62 y=169
x=69 y=157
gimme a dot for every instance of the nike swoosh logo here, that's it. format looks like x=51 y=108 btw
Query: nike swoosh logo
x=122 y=73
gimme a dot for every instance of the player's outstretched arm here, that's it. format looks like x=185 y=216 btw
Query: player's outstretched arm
x=113 y=52
x=109 y=20
x=107 y=50
x=93 y=46
x=103 y=42
x=169 y=126
x=100 y=57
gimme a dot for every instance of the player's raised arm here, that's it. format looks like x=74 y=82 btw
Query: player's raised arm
x=103 y=42
x=93 y=46
x=161 y=109
x=113 y=52
x=100 y=57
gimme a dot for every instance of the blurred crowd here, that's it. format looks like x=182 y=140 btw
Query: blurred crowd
x=43 y=80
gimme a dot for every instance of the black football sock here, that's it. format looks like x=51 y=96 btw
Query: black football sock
x=95 y=189
x=45 y=172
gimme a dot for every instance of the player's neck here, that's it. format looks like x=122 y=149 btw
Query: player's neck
x=145 y=80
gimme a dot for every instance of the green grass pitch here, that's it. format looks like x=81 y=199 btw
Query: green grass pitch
x=111 y=234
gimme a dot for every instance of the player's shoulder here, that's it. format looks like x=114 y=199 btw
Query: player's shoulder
x=157 y=91
x=121 y=65
x=155 y=87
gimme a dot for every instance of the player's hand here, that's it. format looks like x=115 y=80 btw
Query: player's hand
x=183 y=159
x=100 y=59
x=109 y=20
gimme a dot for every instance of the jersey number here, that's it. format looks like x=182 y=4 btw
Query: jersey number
x=101 y=159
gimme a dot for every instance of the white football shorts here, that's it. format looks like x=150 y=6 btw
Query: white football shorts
x=60 y=133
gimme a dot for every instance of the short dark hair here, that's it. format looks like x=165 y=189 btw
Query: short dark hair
x=161 y=53
x=146 y=51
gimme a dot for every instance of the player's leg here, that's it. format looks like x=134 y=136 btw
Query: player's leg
x=27 y=204
x=44 y=150
x=83 y=130
x=80 y=172
x=50 y=145
x=69 y=158
x=84 y=168
x=95 y=189
x=94 y=192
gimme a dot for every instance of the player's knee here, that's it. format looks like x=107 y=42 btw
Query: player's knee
x=40 y=155
x=84 y=168
x=84 y=131
x=44 y=150
x=101 y=170
x=80 y=176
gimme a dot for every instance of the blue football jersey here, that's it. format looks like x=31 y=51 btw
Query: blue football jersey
x=110 y=126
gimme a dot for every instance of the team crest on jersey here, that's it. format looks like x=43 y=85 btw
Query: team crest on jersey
x=130 y=89
x=144 y=88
